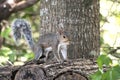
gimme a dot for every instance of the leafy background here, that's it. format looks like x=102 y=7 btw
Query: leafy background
x=10 y=54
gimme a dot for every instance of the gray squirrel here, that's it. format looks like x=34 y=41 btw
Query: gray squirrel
x=55 y=42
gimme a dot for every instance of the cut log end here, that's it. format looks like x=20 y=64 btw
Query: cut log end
x=29 y=72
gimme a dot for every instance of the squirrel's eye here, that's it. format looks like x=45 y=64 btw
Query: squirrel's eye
x=63 y=36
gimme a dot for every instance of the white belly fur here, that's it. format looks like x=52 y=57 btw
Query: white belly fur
x=48 y=49
x=62 y=47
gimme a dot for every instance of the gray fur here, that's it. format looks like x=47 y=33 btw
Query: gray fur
x=55 y=42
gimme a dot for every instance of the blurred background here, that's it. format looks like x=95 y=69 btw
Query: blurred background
x=16 y=55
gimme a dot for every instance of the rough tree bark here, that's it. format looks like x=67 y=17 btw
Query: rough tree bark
x=71 y=70
x=83 y=21
x=80 y=18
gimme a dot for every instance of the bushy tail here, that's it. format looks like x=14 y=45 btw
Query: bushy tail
x=21 y=27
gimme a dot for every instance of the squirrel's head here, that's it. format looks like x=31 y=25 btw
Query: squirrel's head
x=63 y=36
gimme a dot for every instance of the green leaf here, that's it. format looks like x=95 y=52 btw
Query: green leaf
x=96 y=76
x=103 y=60
x=6 y=33
x=112 y=74
x=29 y=55
x=5 y=51
x=12 y=57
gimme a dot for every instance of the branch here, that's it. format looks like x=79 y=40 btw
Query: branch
x=8 y=7
x=22 y=5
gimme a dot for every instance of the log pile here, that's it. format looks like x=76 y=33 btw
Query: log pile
x=71 y=70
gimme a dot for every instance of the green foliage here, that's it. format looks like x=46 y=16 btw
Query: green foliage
x=6 y=33
x=96 y=76
x=112 y=73
x=103 y=60
x=6 y=54
x=9 y=55
x=9 y=51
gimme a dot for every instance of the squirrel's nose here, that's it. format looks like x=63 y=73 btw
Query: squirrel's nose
x=69 y=42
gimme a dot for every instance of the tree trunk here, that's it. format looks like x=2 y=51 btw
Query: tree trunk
x=80 y=18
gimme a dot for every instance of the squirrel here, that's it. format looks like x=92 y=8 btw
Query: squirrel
x=50 y=42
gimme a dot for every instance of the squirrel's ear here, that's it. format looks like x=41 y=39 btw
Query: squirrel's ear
x=60 y=31
x=60 y=28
